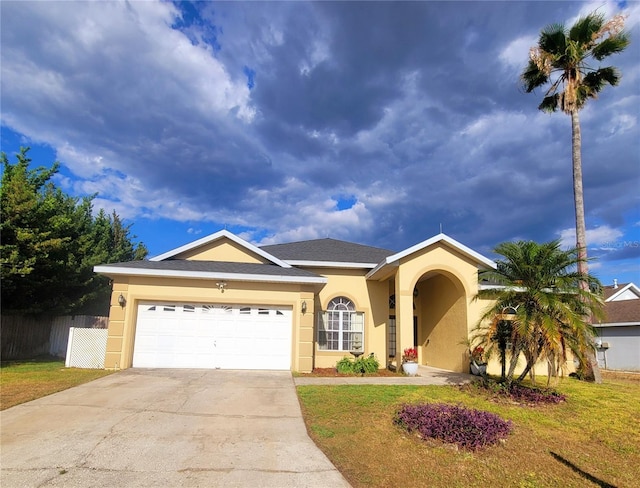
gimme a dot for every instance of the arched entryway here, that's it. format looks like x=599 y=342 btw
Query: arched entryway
x=441 y=311
x=440 y=278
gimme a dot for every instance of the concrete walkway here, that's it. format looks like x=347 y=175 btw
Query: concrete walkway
x=426 y=376
x=165 y=428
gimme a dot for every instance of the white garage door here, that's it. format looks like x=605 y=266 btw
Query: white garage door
x=177 y=335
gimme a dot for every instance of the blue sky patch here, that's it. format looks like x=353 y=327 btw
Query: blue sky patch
x=251 y=76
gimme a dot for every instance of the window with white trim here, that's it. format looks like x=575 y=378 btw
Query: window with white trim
x=340 y=327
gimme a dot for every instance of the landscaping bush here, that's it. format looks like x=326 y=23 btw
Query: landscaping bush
x=468 y=428
x=362 y=365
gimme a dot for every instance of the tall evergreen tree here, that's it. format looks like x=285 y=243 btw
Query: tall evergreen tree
x=50 y=243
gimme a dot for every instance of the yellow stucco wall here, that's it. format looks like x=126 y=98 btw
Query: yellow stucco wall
x=221 y=250
x=370 y=297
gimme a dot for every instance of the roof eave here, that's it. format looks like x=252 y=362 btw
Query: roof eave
x=330 y=264
x=382 y=269
x=618 y=324
x=207 y=275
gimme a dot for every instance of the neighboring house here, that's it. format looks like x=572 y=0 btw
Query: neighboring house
x=221 y=302
x=618 y=342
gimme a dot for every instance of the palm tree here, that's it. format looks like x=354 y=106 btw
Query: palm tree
x=539 y=307
x=563 y=58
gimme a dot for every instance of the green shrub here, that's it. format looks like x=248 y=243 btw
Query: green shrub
x=345 y=366
x=362 y=365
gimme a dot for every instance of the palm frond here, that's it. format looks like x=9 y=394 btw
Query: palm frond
x=610 y=45
x=550 y=104
x=596 y=80
x=532 y=77
x=553 y=39
x=586 y=27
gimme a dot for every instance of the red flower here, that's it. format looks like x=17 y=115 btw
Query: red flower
x=410 y=354
x=477 y=353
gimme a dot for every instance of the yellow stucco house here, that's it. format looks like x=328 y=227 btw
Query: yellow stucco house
x=221 y=302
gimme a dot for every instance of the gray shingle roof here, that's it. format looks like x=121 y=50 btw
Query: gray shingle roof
x=329 y=250
x=622 y=311
x=214 y=267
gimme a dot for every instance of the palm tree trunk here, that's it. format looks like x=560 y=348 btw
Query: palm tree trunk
x=578 y=194
x=592 y=371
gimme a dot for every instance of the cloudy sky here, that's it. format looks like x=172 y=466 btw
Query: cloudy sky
x=376 y=123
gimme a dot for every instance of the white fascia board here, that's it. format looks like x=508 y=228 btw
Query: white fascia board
x=512 y=288
x=331 y=264
x=618 y=324
x=629 y=286
x=452 y=242
x=163 y=273
x=218 y=235
x=492 y=287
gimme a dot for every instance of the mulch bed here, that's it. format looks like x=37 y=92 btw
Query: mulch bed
x=331 y=372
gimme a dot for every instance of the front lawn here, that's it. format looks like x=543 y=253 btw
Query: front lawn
x=23 y=381
x=592 y=439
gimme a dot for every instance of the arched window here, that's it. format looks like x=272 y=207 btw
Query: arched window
x=340 y=327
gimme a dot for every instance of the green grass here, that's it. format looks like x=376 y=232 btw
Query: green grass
x=23 y=381
x=593 y=439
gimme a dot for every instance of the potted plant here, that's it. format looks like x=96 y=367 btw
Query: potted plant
x=478 y=364
x=410 y=361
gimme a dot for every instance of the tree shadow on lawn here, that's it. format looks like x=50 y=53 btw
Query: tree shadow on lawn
x=584 y=474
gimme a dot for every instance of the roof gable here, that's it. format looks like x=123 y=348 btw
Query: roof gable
x=621 y=306
x=621 y=293
x=394 y=259
x=221 y=246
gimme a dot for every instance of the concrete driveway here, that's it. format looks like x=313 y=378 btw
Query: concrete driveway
x=165 y=428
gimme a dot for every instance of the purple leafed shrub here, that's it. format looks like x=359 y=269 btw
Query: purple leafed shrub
x=468 y=428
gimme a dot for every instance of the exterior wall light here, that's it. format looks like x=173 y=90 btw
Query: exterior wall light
x=303 y=307
x=221 y=285
x=122 y=301
x=508 y=313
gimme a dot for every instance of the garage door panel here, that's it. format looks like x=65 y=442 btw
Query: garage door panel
x=175 y=335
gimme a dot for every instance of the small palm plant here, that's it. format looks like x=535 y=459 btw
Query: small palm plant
x=543 y=305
